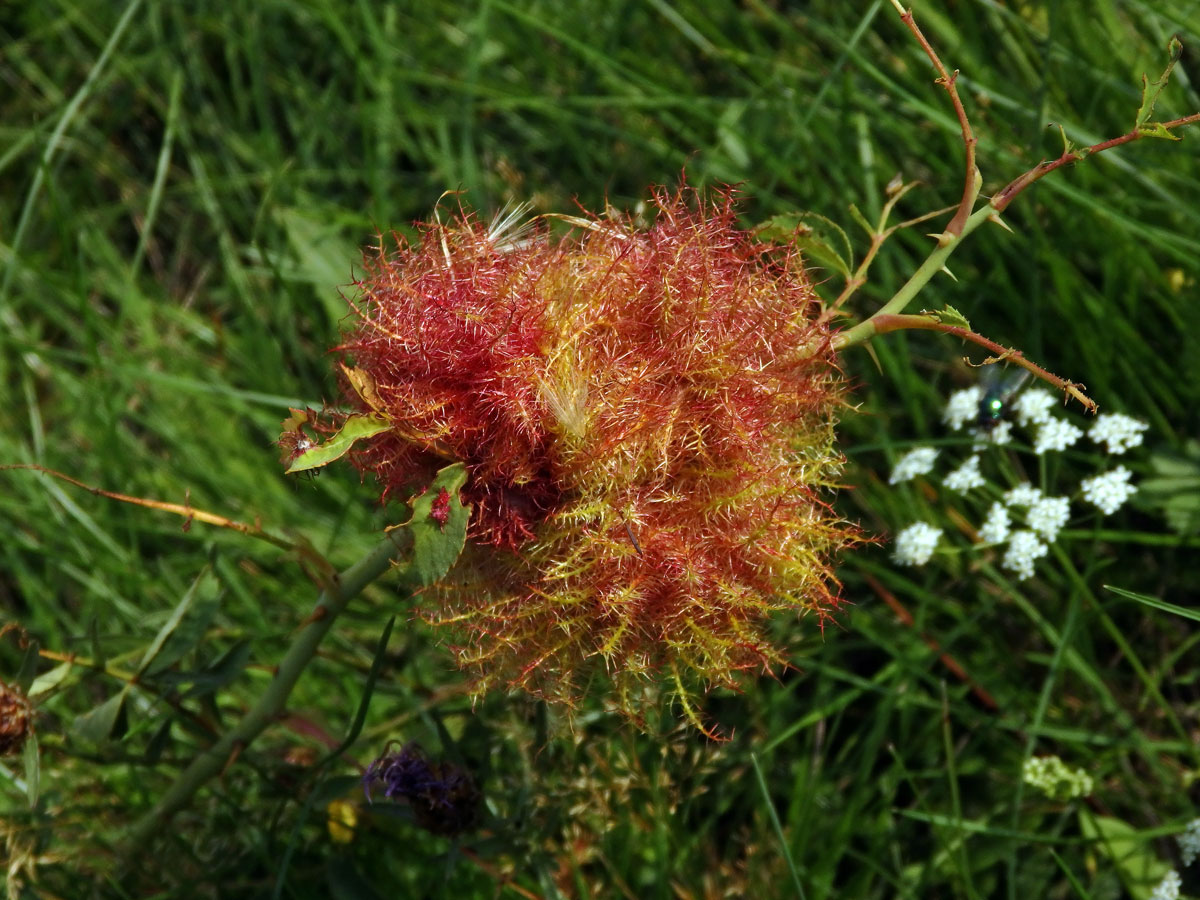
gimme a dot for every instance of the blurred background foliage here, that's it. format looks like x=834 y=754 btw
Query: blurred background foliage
x=185 y=187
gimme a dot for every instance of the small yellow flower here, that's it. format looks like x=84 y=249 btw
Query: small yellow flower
x=342 y=821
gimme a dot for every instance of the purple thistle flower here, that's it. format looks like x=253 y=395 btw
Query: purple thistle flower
x=443 y=796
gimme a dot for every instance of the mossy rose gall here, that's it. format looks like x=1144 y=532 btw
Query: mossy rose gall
x=647 y=418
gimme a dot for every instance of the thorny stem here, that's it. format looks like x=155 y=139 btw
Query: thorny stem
x=208 y=763
x=884 y=324
x=934 y=263
x=879 y=234
x=1000 y=201
x=972 y=180
x=965 y=221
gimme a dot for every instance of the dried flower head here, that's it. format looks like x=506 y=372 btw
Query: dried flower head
x=16 y=720
x=647 y=418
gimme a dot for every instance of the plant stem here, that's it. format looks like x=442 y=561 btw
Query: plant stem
x=884 y=324
x=973 y=181
x=1007 y=194
x=332 y=602
x=935 y=262
x=188 y=512
x=965 y=221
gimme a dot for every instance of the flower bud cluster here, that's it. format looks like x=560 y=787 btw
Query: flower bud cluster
x=1055 y=779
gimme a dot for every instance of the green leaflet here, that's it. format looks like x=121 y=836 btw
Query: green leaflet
x=817 y=237
x=1150 y=92
x=155 y=659
x=438 y=527
x=948 y=316
x=1157 y=130
x=105 y=721
x=31 y=763
x=1174 y=489
x=356 y=428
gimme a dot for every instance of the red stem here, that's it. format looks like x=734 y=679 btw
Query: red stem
x=886 y=323
x=947 y=80
x=1004 y=197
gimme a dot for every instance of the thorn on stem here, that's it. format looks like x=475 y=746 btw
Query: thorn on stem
x=995 y=218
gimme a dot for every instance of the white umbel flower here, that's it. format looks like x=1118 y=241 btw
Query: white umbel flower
x=995 y=528
x=916 y=543
x=1118 y=431
x=999 y=435
x=1108 y=492
x=1048 y=515
x=1055 y=434
x=1033 y=407
x=1024 y=549
x=1189 y=842
x=962 y=407
x=1024 y=494
x=965 y=477
x=1168 y=888
x=918 y=461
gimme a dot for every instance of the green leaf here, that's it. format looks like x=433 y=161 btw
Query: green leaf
x=952 y=316
x=1157 y=130
x=1154 y=603
x=1151 y=90
x=1138 y=865
x=187 y=635
x=168 y=628
x=1175 y=488
x=31 y=762
x=48 y=681
x=857 y=216
x=816 y=236
x=356 y=428
x=105 y=721
x=439 y=532
x=28 y=670
x=948 y=316
x=219 y=674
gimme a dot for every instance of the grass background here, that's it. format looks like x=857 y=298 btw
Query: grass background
x=184 y=187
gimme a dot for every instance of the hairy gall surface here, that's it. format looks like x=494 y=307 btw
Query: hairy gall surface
x=647 y=417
